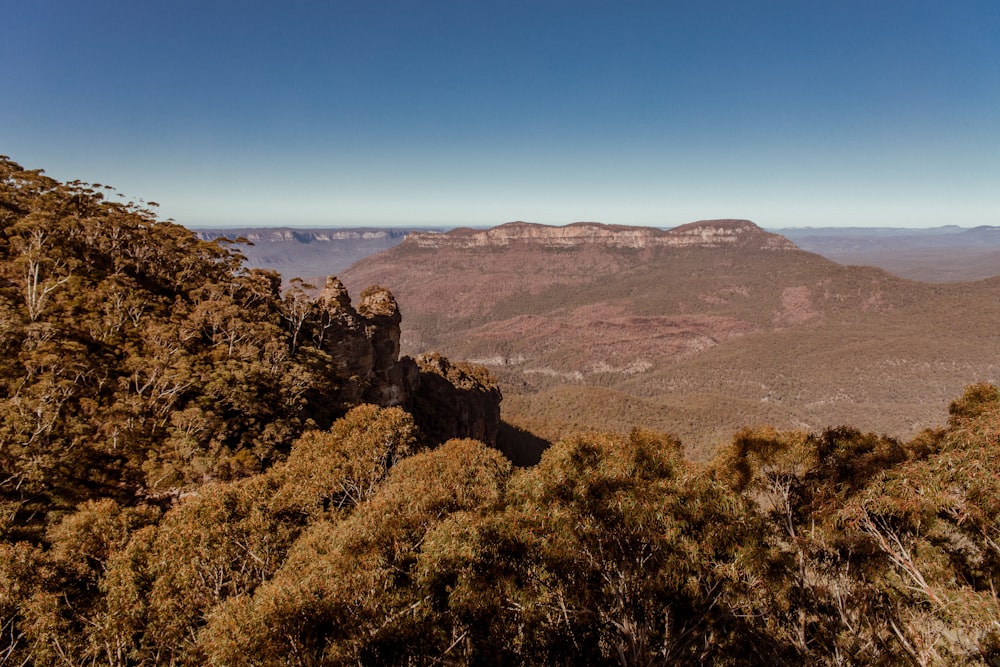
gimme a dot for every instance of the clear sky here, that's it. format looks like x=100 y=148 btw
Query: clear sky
x=431 y=112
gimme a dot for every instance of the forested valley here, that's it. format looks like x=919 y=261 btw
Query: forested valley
x=198 y=467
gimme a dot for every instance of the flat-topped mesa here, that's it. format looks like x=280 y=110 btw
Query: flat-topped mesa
x=709 y=233
x=705 y=233
x=578 y=233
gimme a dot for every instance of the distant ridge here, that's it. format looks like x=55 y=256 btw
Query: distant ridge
x=948 y=253
x=704 y=233
x=940 y=254
x=310 y=253
x=697 y=329
x=298 y=235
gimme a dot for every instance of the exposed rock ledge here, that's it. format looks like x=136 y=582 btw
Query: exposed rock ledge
x=705 y=233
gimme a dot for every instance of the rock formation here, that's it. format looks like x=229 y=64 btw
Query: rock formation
x=456 y=400
x=447 y=400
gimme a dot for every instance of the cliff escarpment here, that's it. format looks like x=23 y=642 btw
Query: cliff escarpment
x=705 y=234
x=300 y=235
x=697 y=329
x=448 y=400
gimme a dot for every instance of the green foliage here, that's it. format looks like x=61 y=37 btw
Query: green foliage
x=137 y=359
x=878 y=551
x=611 y=549
x=344 y=467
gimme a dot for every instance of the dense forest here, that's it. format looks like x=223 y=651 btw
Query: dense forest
x=139 y=362
x=197 y=467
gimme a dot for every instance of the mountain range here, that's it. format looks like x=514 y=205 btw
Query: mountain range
x=697 y=330
x=311 y=254
x=200 y=465
x=942 y=254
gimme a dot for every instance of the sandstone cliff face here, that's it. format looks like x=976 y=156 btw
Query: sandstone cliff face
x=347 y=339
x=447 y=400
x=715 y=233
x=706 y=233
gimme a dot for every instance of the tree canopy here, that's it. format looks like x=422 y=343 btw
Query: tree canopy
x=185 y=481
x=367 y=547
x=138 y=362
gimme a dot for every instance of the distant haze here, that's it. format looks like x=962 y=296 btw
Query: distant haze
x=311 y=254
x=942 y=254
x=695 y=331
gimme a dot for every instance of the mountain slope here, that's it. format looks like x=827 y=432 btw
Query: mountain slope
x=718 y=309
x=138 y=362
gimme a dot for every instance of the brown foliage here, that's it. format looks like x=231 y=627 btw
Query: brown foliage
x=138 y=362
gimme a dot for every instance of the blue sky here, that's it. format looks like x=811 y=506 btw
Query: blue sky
x=789 y=113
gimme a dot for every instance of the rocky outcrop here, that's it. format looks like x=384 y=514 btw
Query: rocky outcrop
x=363 y=346
x=715 y=233
x=456 y=400
x=447 y=400
x=705 y=233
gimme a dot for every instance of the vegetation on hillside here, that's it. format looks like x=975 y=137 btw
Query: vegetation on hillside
x=696 y=339
x=177 y=492
x=138 y=362
x=366 y=548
